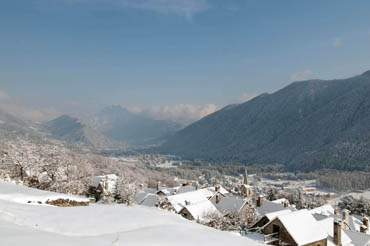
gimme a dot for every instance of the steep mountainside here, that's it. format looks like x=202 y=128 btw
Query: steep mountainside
x=122 y=125
x=74 y=132
x=306 y=125
x=12 y=127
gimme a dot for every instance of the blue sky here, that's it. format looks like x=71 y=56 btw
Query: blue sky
x=76 y=55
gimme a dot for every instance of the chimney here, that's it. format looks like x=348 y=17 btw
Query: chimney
x=345 y=214
x=365 y=222
x=218 y=198
x=260 y=201
x=217 y=188
x=158 y=185
x=286 y=204
x=337 y=236
x=187 y=203
x=246 y=177
x=363 y=229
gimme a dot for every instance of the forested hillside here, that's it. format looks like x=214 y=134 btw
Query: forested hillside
x=306 y=125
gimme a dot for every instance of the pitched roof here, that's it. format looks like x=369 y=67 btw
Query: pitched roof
x=328 y=226
x=146 y=199
x=222 y=190
x=281 y=200
x=150 y=190
x=200 y=210
x=186 y=188
x=323 y=210
x=302 y=227
x=273 y=215
x=358 y=238
x=139 y=198
x=230 y=204
x=150 y=200
x=178 y=201
x=168 y=191
x=110 y=179
x=270 y=207
x=355 y=222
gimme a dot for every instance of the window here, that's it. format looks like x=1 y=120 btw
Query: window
x=276 y=230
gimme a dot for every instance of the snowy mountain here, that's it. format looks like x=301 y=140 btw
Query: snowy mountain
x=12 y=127
x=32 y=224
x=74 y=132
x=122 y=125
x=307 y=125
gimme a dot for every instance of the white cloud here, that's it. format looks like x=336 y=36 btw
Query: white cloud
x=4 y=96
x=186 y=8
x=337 y=42
x=303 y=75
x=247 y=96
x=185 y=113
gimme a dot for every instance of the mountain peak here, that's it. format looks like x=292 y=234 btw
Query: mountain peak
x=366 y=74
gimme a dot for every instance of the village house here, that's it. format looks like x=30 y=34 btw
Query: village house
x=147 y=199
x=269 y=217
x=264 y=206
x=178 y=201
x=317 y=227
x=358 y=239
x=348 y=222
x=198 y=211
x=175 y=190
x=232 y=204
x=298 y=228
x=104 y=185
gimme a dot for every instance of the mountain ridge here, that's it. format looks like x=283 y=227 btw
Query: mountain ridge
x=73 y=131
x=307 y=125
x=120 y=124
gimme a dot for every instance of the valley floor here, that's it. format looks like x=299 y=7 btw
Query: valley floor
x=31 y=224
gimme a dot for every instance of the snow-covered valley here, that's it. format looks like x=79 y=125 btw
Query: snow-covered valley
x=22 y=223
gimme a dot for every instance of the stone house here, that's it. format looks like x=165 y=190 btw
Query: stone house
x=269 y=217
x=298 y=228
x=231 y=204
x=104 y=185
x=198 y=211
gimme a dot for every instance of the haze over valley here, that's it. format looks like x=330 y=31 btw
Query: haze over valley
x=184 y=122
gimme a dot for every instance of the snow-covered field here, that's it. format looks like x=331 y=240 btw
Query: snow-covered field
x=97 y=225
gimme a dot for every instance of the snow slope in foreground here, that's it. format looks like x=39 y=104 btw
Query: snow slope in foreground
x=98 y=225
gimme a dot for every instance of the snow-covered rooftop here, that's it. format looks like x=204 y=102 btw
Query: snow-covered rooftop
x=328 y=226
x=358 y=238
x=222 y=190
x=271 y=207
x=200 y=210
x=323 y=210
x=273 y=215
x=302 y=227
x=281 y=200
x=178 y=201
x=110 y=180
x=230 y=204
